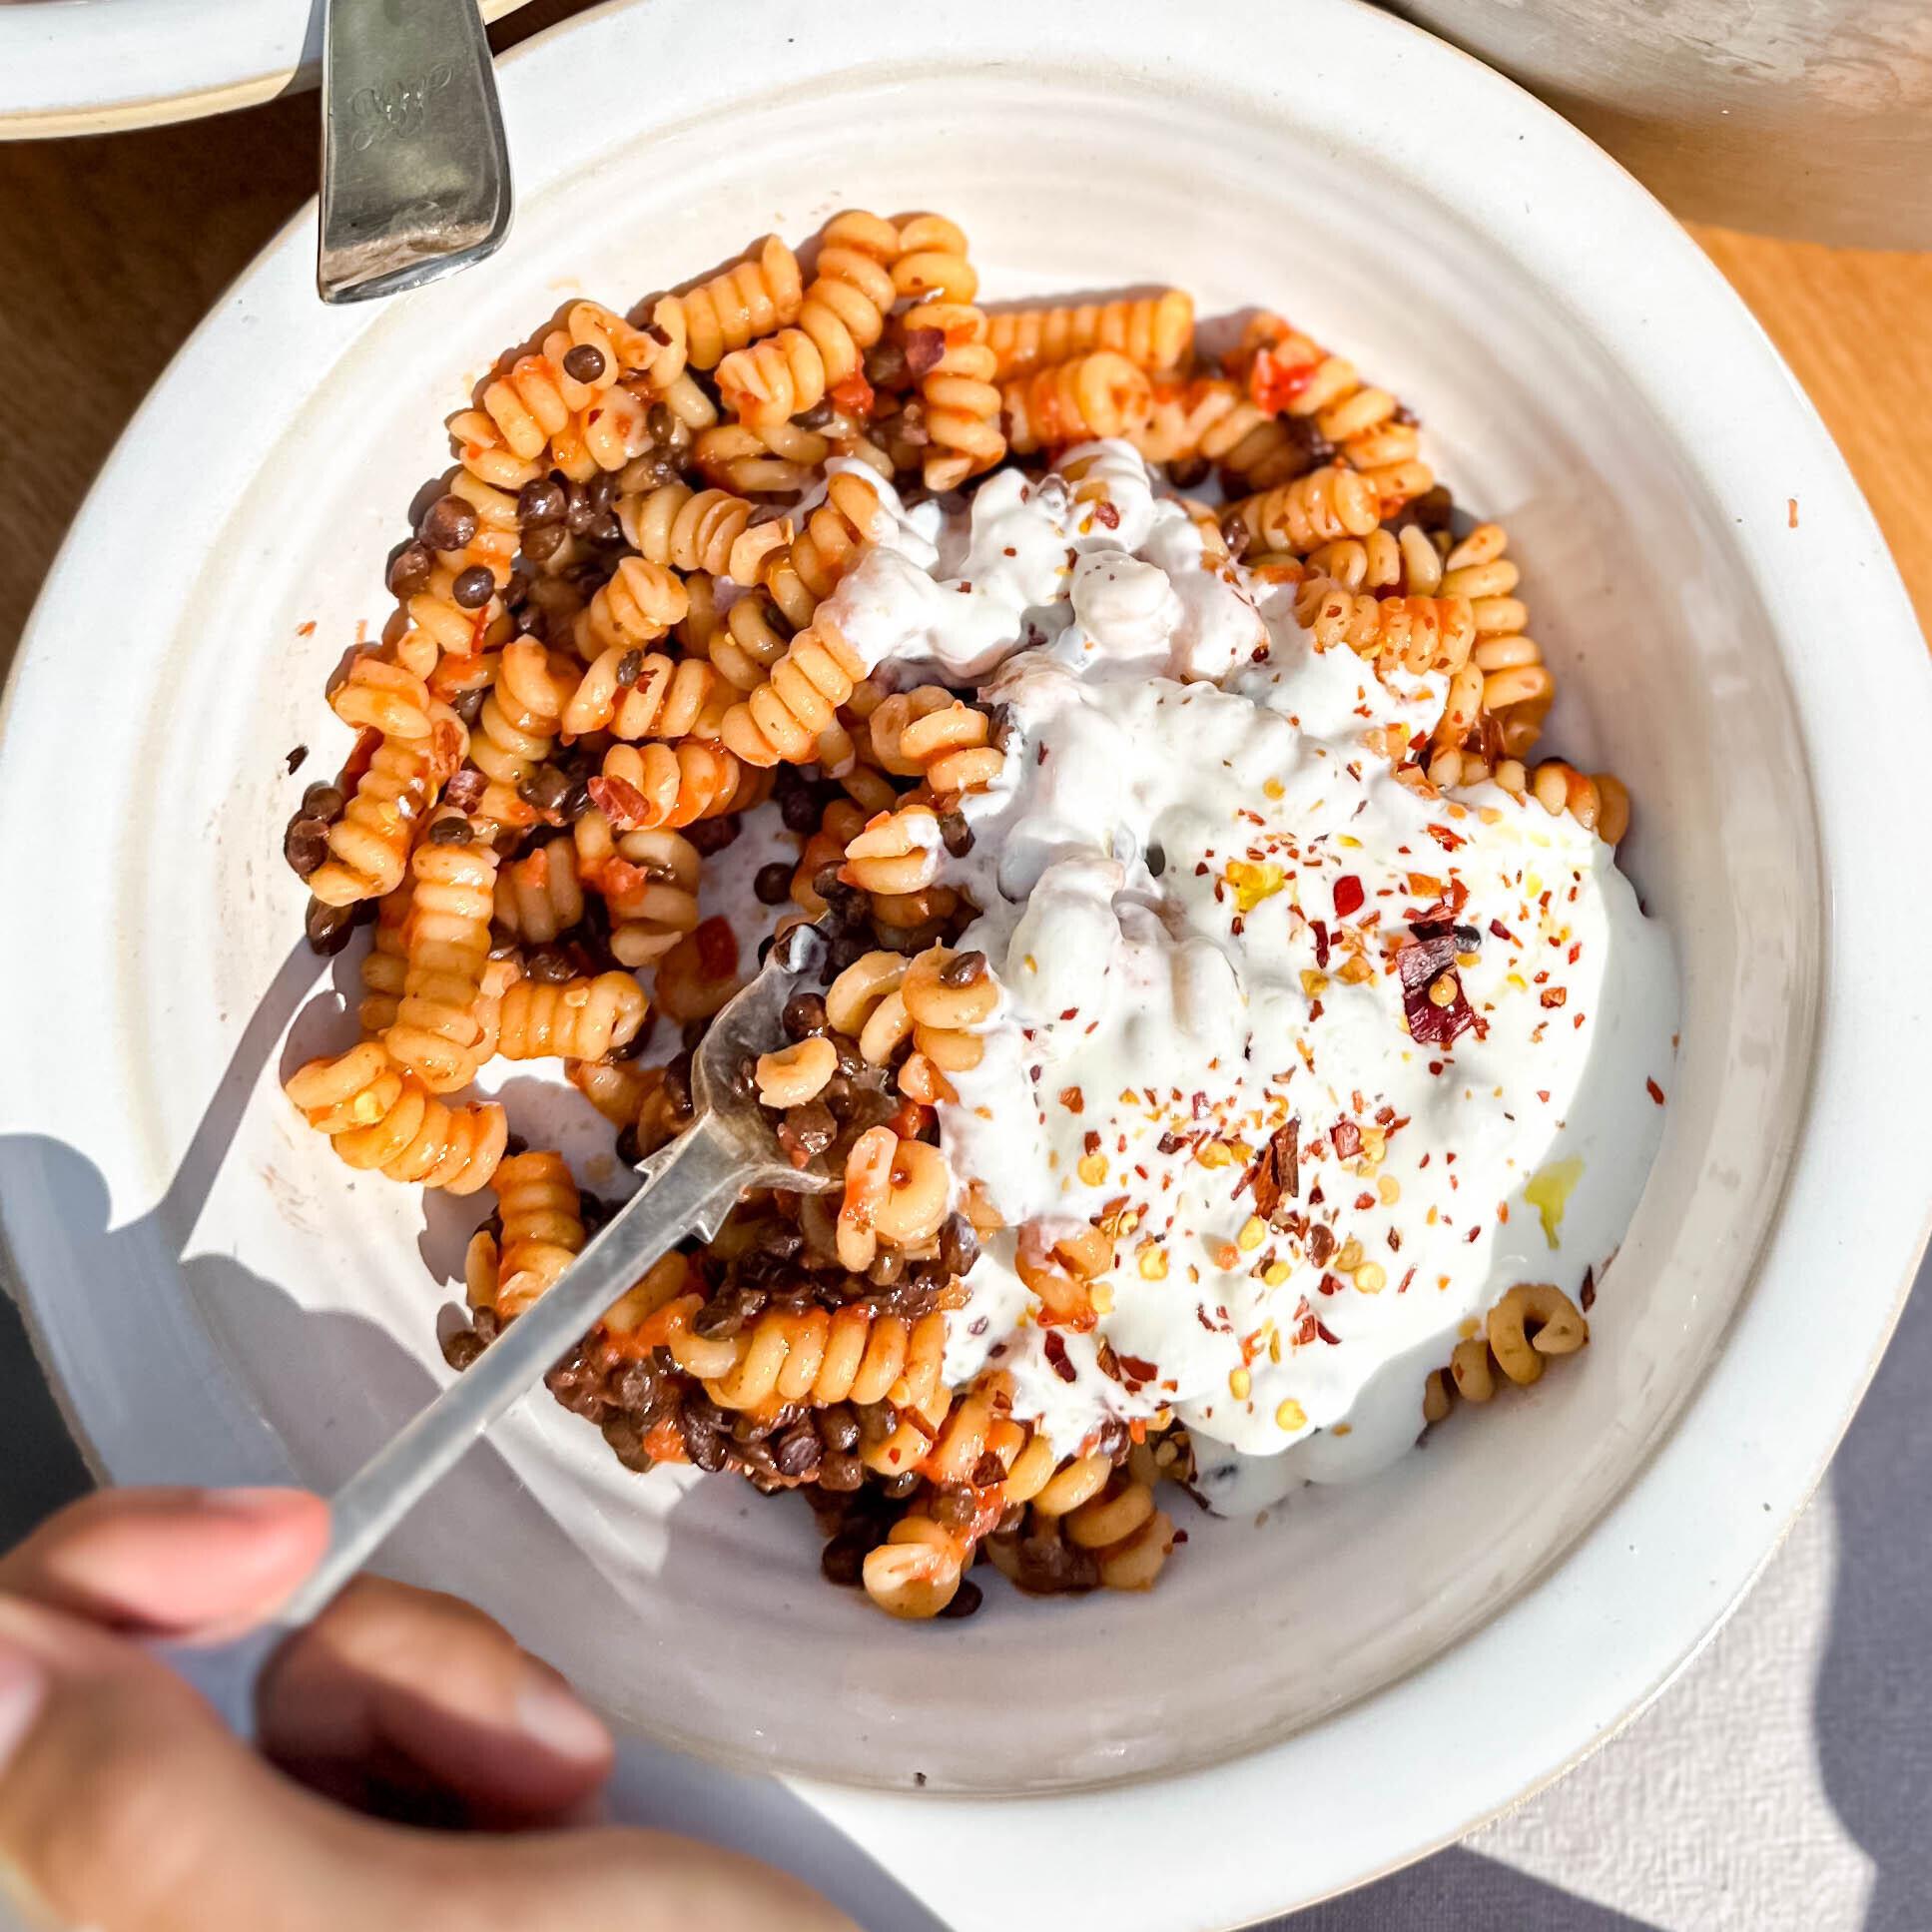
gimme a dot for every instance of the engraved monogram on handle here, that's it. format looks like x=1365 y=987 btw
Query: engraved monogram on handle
x=397 y=111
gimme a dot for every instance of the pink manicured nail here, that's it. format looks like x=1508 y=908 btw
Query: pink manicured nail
x=550 y=1714
x=249 y=1503
x=23 y=1689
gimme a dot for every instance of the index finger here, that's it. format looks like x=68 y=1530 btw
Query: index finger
x=169 y=1562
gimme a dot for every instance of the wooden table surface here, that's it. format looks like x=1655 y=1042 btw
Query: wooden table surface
x=112 y=248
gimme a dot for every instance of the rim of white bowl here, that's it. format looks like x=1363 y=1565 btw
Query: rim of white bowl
x=1704 y=1512
x=74 y=69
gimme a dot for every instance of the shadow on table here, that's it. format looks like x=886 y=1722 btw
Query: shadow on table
x=1872 y=1709
x=1459 y=1890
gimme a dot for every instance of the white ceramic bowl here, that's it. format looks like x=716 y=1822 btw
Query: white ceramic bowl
x=221 y=1298
x=93 y=68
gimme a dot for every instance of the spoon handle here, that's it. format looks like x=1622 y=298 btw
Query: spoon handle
x=687 y=1187
x=415 y=172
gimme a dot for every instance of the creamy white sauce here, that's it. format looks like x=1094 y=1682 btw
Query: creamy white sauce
x=1163 y=1015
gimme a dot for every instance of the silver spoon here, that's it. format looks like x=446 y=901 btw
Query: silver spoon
x=415 y=172
x=687 y=1189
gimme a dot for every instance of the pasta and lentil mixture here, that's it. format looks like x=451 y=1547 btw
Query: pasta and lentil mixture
x=1235 y=1041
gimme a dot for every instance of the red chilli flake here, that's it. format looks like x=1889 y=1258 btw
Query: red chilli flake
x=1655 y=1092
x=717 y=948
x=1554 y=995
x=1421 y=960
x=620 y=802
x=925 y=349
x=1319 y=929
x=1139 y=1367
x=1057 y=1357
x=1273 y=384
x=1276 y=1176
x=855 y=393
x=1346 y=1137
x=1349 y=895
x=1106 y=516
x=1501 y=931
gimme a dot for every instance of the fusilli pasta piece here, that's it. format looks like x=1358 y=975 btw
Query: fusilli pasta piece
x=817 y=1357
x=1314 y=509
x=1213 y=421
x=1100 y=395
x=634 y=694
x=963 y=404
x=649 y=881
x=686 y=529
x=369 y=845
x=436 y=1034
x=794 y=715
x=543 y=1232
x=539 y=895
x=637 y=606
x=385 y=965
x=1153 y=332
x=843 y=315
x=929 y=733
x=1418 y=633
x=377 y=1116
x=517 y=726
x=741 y=303
x=646 y=786
x=581 y=1019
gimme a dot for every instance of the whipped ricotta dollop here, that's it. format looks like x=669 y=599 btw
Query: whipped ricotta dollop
x=1338 y=1059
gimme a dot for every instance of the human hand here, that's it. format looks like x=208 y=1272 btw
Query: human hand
x=127 y=1806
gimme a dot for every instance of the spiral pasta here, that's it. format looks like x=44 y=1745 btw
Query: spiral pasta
x=896 y=1192
x=744 y=644
x=1318 y=508
x=794 y=714
x=436 y=1034
x=646 y=786
x=801 y=574
x=384 y=698
x=378 y=1117
x=843 y=315
x=688 y=529
x=540 y=894
x=637 y=606
x=649 y=879
x=897 y=851
x=1367 y=426
x=370 y=844
x=1417 y=633
x=929 y=733
x=931 y=260
x=633 y=695
x=1153 y=332
x=961 y=401
x=518 y=724
x=581 y=1019
x=743 y=303
x=1213 y=421
x=817 y=1357
x=385 y=964
x=1097 y=394
x=543 y=1232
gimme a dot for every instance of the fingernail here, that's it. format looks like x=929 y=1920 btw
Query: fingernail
x=249 y=1503
x=550 y=1713
x=23 y=1689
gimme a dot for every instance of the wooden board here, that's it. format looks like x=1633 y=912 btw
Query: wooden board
x=113 y=246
